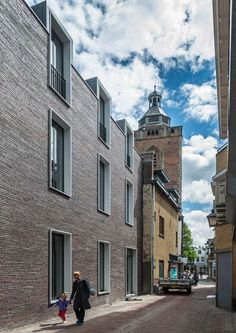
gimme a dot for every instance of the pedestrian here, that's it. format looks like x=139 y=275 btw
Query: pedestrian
x=80 y=294
x=62 y=304
x=201 y=273
x=195 y=278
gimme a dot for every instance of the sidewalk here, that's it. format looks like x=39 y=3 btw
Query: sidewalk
x=55 y=325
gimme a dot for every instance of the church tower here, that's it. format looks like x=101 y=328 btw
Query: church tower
x=155 y=134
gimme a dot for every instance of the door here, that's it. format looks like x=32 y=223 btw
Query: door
x=224 y=280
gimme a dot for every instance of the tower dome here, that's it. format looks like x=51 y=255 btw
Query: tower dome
x=155 y=115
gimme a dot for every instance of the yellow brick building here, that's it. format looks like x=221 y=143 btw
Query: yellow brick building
x=165 y=234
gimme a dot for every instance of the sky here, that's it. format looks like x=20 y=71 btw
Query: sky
x=132 y=45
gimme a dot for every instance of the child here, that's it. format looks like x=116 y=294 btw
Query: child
x=62 y=303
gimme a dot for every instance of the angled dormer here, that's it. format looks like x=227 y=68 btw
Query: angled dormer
x=104 y=110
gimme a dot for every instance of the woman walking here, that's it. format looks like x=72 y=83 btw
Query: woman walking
x=80 y=294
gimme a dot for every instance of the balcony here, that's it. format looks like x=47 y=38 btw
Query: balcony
x=58 y=82
x=103 y=132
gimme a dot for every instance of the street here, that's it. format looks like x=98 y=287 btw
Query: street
x=171 y=313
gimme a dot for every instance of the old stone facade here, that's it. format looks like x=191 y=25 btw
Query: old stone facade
x=43 y=213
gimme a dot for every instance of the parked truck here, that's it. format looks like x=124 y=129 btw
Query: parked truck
x=168 y=283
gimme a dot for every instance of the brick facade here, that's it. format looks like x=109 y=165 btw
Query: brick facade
x=29 y=209
x=169 y=142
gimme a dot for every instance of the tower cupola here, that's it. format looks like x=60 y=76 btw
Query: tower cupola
x=154 y=98
x=155 y=115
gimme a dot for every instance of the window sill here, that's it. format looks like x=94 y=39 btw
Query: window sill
x=129 y=224
x=100 y=293
x=161 y=235
x=104 y=142
x=130 y=295
x=104 y=212
x=59 y=95
x=53 y=189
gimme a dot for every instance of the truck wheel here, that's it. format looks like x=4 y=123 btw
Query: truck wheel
x=189 y=290
x=165 y=290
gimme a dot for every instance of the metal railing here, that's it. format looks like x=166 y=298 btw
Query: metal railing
x=58 y=82
x=128 y=160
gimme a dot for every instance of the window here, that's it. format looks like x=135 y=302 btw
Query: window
x=161 y=268
x=199 y=251
x=103 y=185
x=60 y=59
x=202 y=259
x=104 y=110
x=129 y=147
x=103 y=267
x=176 y=239
x=131 y=271
x=60 y=264
x=60 y=154
x=129 y=205
x=161 y=227
x=197 y=259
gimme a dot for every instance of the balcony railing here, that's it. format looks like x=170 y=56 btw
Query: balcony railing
x=58 y=82
x=103 y=132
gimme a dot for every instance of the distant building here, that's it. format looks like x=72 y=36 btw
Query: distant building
x=211 y=255
x=201 y=261
x=161 y=149
x=155 y=133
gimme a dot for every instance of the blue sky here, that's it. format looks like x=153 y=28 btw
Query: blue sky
x=133 y=44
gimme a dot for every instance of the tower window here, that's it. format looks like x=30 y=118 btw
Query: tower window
x=172 y=130
x=154 y=101
x=148 y=132
x=157 y=132
x=153 y=133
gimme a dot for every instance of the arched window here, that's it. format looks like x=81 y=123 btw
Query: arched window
x=153 y=133
x=157 y=132
x=148 y=132
x=172 y=130
x=154 y=103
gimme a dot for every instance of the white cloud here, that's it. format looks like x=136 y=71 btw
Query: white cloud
x=198 y=168
x=131 y=27
x=201 y=101
x=198 y=224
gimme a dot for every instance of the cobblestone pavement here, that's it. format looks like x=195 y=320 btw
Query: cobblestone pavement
x=171 y=313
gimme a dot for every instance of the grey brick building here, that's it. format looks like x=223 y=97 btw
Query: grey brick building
x=70 y=179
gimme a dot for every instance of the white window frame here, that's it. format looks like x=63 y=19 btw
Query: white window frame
x=107 y=267
x=107 y=199
x=67 y=153
x=129 y=133
x=135 y=271
x=102 y=93
x=55 y=24
x=67 y=262
x=131 y=202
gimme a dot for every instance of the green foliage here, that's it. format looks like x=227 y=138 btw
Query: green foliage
x=188 y=249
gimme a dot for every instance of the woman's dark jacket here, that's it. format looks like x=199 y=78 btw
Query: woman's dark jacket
x=81 y=293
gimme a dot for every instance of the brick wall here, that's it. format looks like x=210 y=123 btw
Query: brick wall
x=28 y=208
x=223 y=237
x=170 y=144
